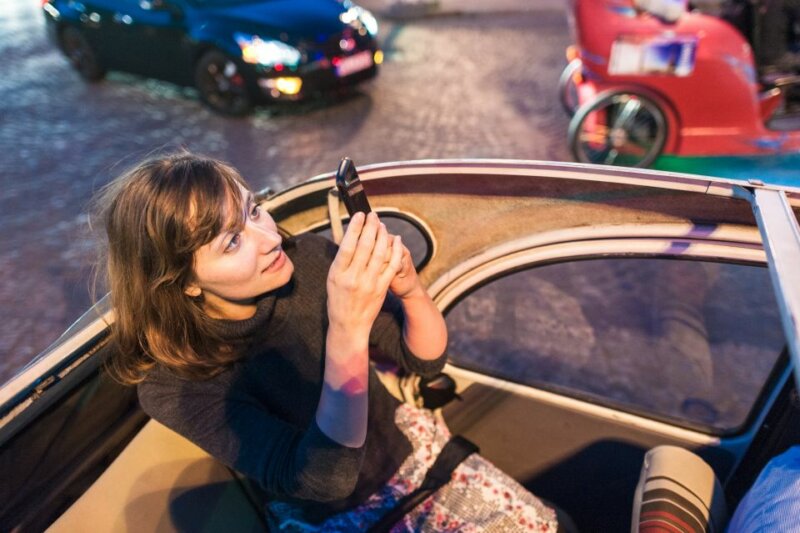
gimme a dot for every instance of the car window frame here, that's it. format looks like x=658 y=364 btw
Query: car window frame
x=780 y=233
x=736 y=244
x=773 y=379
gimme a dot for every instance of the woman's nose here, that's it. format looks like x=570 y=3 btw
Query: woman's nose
x=268 y=238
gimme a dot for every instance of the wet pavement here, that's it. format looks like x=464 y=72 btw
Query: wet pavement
x=466 y=85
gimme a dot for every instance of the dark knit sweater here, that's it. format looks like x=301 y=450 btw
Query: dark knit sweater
x=258 y=416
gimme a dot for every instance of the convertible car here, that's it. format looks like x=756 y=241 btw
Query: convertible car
x=594 y=313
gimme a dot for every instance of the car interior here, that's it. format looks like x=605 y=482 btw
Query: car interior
x=80 y=451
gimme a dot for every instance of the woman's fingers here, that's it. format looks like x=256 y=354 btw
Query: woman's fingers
x=360 y=276
x=347 y=248
x=378 y=259
x=366 y=243
x=368 y=258
x=395 y=262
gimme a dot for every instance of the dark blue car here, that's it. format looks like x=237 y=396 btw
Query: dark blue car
x=236 y=52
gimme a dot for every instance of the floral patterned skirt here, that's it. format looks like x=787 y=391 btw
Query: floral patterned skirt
x=479 y=497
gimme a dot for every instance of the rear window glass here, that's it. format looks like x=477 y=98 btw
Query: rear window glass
x=689 y=341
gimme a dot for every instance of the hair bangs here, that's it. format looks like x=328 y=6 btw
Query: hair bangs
x=216 y=202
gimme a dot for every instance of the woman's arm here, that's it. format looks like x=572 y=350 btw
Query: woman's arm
x=424 y=328
x=357 y=284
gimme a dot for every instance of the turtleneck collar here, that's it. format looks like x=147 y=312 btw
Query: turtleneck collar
x=265 y=307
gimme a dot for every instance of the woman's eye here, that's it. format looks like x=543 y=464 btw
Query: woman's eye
x=255 y=212
x=233 y=243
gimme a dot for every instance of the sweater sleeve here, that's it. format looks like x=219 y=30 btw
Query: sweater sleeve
x=232 y=427
x=386 y=338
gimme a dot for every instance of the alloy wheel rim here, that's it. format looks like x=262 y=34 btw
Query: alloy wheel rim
x=76 y=51
x=224 y=86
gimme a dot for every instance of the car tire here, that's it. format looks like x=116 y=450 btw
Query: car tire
x=567 y=87
x=81 y=55
x=618 y=128
x=222 y=87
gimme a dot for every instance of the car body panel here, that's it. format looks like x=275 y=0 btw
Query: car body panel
x=299 y=20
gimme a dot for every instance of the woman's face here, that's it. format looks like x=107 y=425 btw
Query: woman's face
x=241 y=264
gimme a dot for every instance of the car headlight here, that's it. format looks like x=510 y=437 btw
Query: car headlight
x=267 y=52
x=358 y=13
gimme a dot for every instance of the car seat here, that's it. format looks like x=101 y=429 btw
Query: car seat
x=678 y=491
x=162 y=482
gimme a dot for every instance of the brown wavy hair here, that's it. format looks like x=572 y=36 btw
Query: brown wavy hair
x=155 y=217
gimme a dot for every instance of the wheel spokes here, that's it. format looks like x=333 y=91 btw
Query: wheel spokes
x=621 y=129
x=611 y=156
x=629 y=112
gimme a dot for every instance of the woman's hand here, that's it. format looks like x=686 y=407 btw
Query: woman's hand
x=358 y=279
x=360 y=275
x=406 y=281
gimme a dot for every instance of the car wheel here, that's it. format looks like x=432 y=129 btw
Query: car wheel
x=80 y=54
x=618 y=128
x=568 y=87
x=222 y=87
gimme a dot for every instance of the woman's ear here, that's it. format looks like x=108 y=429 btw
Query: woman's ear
x=192 y=290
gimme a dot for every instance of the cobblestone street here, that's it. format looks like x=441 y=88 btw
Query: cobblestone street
x=453 y=86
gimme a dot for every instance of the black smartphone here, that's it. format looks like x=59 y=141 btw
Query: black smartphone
x=351 y=191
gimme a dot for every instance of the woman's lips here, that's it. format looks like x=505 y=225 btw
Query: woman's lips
x=277 y=263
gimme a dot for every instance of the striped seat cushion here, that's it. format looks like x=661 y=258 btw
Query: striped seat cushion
x=677 y=493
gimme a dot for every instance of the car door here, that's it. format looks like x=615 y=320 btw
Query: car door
x=148 y=37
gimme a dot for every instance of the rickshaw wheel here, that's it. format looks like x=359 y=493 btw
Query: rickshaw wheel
x=567 y=87
x=618 y=128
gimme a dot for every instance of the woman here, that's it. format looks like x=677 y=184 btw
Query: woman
x=256 y=349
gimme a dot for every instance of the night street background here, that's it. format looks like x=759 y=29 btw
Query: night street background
x=454 y=85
